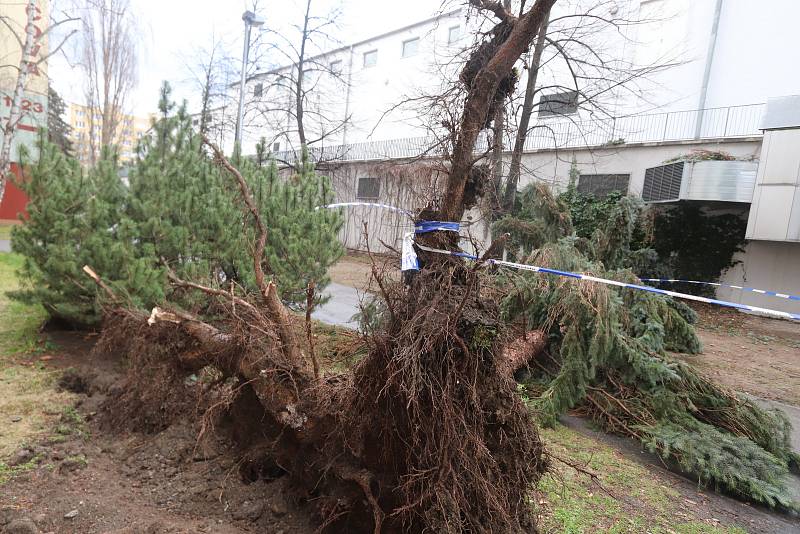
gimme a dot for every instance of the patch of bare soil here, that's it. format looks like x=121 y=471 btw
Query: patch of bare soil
x=355 y=269
x=750 y=354
x=84 y=479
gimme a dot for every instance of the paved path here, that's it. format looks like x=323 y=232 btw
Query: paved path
x=5 y=245
x=343 y=304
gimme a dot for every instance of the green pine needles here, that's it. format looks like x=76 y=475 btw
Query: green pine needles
x=178 y=211
x=609 y=355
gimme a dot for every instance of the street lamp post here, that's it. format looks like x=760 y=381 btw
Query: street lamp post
x=250 y=19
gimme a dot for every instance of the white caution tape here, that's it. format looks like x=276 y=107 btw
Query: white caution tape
x=589 y=278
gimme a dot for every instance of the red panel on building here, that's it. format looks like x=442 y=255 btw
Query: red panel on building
x=14 y=200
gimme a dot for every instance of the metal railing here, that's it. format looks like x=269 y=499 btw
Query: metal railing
x=564 y=133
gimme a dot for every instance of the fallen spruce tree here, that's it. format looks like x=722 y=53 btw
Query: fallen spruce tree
x=426 y=433
x=608 y=354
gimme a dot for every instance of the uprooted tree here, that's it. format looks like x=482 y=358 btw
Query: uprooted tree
x=608 y=354
x=426 y=433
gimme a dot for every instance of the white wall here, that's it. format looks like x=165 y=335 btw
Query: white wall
x=553 y=166
x=757 y=53
x=754 y=60
x=767 y=265
x=373 y=91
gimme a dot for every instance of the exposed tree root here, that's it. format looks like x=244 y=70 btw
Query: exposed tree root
x=426 y=434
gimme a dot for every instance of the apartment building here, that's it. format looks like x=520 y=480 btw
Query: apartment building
x=85 y=134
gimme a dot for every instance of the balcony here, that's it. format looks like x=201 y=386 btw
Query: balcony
x=562 y=133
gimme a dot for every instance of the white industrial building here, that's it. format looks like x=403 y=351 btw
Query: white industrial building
x=708 y=69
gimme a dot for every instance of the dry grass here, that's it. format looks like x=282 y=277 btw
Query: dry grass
x=5 y=230
x=355 y=270
x=26 y=388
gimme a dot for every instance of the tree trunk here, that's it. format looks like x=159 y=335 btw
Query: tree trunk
x=15 y=115
x=299 y=111
x=476 y=106
x=498 y=128
x=524 y=121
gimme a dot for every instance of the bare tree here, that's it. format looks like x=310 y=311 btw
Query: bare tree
x=109 y=63
x=34 y=53
x=524 y=122
x=574 y=57
x=290 y=97
x=211 y=75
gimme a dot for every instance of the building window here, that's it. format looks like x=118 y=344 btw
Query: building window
x=601 y=185
x=258 y=90
x=370 y=58
x=410 y=47
x=565 y=103
x=336 y=66
x=276 y=146
x=368 y=188
x=453 y=34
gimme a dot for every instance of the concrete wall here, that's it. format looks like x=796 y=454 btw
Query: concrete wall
x=410 y=186
x=768 y=265
x=553 y=166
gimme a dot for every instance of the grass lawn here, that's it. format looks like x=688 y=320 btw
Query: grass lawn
x=28 y=400
x=629 y=497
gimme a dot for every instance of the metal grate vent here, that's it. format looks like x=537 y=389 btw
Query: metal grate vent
x=663 y=182
x=602 y=184
x=368 y=188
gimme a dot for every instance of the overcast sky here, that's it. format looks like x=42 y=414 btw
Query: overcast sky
x=171 y=30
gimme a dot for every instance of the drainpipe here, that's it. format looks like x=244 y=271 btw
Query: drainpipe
x=712 y=46
x=347 y=97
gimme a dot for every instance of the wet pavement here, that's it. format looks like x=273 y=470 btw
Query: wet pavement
x=339 y=310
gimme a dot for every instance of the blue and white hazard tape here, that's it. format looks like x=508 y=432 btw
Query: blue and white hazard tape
x=366 y=204
x=715 y=284
x=589 y=278
x=410 y=262
x=423 y=227
x=408 y=258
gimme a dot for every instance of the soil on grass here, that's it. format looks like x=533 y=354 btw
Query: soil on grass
x=750 y=354
x=83 y=478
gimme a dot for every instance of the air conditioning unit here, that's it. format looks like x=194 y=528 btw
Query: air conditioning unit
x=725 y=181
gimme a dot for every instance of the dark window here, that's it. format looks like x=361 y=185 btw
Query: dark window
x=663 y=182
x=602 y=184
x=368 y=189
x=276 y=146
x=565 y=103
x=258 y=90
